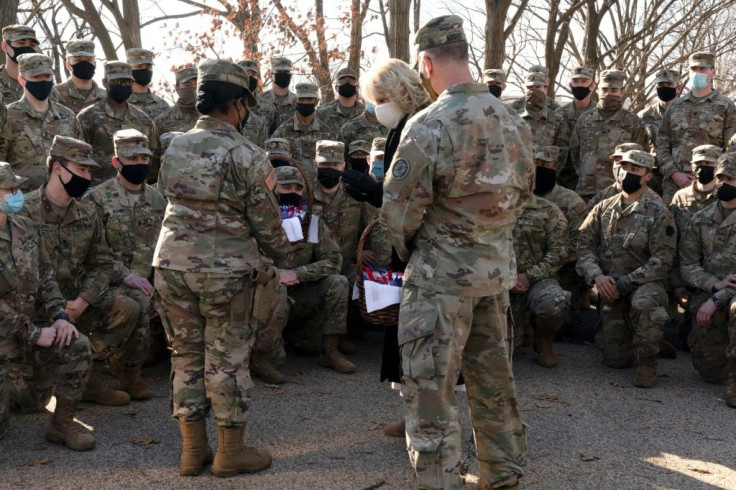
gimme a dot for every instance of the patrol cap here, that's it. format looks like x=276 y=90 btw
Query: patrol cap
x=289 y=175
x=306 y=90
x=613 y=79
x=249 y=65
x=345 y=72
x=439 y=31
x=623 y=148
x=225 y=71
x=584 y=72
x=186 y=74
x=8 y=179
x=639 y=158
x=115 y=70
x=279 y=63
x=166 y=138
x=539 y=69
x=494 y=75
x=277 y=146
x=358 y=145
x=535 y=79
x=137 y=56
x=329 y=151
x=378 y=146
x=726 y=165
x=669 y=76
x=548 y=153
x=131 y=142
x=704 y=59
x=706 y=153
x=17 y=32
x=73 y=150
x=32 y=64
x=80 y=47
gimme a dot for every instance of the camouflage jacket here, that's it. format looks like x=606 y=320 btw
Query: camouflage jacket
x=303 y=140
x=571 y=113
x=690 y=122
x=76 y=244
x=266 y=110
x=75 y=99
x=27 y=135
x=314 y=261
x=177 y=119
x=708 y=250
x=10 y=88
x=459 y=179
x=255 y=130
x=150 y=103
x=548 y=129
x=651 y=117
x=282 y=110
x=360 y=128
x=222 y=212
x=519 y=105
x=26 y=279
x=132 y=223
x=594 y=140
x=633 y=243
x=574 y=210
x=540 y=240
x=335 y=115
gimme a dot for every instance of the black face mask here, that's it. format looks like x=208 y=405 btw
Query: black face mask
x=40 y=90
x=495 y=90
x=243 y=120
x=21 y=50
x=277 y=162
x=580 y=92
x=359 y=165
x=77 y=186
x=305 y=109
x=328 y=177
x=725 y=192
x=705 y=174
x=84 y=70
x=119 y=93
x=545 y=181
x=142 y=76
x=282 y=79
x=252 y=83
x=347 y=90
x=135 y=174
x=289 y=199
x=666 y=94
x=631 y=183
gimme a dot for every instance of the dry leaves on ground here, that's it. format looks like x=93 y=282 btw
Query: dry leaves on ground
x=38 y=462
x=588 y=457
x=145 y=441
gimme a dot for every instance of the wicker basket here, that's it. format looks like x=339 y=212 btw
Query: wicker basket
x=310 y=199
x=387 y=316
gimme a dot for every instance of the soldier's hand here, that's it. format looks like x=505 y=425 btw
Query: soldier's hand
x=727 y=282
x=606 y=286
x=705 y=313
x=682 y=179
x=522 y=284
x=65 y=332
x=76 y=308
x=680 y=295
x=47 y=337
x=368 y=258
x=135 y=281
x=287 y=277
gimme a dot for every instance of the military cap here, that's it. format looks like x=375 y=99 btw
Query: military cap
x=346 y=72
x=707 y=60
x=73 y=150
x=439 y=31
x=32 y=64
x=623 y=148
x=670 y=76
x=166 y=138
x=279 y=63
x=249 y=65
x=613 y=79
x=706 y=153
x=131 y=142
x=378 y=146
x=584 y=72
x=305 y=90
x=137 y=56
x=115 y=70
x=225 y=71
x=8 y=179
x=639 y=158
x=289 y=175
x=18 y=32
x=726 y=165
x=358 y=145
x=548 y=153
x=80 y=47
x=329 y=151
x=277 y=146
x=535 y=79
x=494 y=75
x=539 y=69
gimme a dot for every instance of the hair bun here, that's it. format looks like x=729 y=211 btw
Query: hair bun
x=205 y=102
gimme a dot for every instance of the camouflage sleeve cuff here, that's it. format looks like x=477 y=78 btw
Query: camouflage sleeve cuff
x=34 y=333
x=725 y=295
x=534 y=275
x=90 y=297
x=301 y=273
x=710 y=283
x=625 y=284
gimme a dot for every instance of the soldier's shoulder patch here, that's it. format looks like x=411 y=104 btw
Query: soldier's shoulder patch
x=271 y=180
x=400 y=169
x=669 y=230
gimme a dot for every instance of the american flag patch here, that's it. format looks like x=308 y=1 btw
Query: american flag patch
x=271 y=181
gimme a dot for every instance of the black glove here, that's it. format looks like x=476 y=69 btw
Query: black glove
x=362 y=187
x=358 y=180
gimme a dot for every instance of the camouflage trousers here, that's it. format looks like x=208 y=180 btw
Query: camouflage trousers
x=548 y=305
x=633 y=325
x=440 y=334
x=110 y=325
x=135 y=350
x=712 y=346
x=207 y=319
x=268 y=336
x=27 y=384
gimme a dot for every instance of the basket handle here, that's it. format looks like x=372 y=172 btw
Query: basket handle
x=361 y=244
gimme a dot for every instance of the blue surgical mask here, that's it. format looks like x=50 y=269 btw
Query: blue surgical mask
x=699 y=81
x=377 y=169
x=370 y=108
x=13 y=202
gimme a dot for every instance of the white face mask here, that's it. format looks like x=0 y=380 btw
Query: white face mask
x=389 y=114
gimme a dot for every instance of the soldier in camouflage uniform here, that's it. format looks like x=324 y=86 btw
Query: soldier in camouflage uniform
x=182 y=117
x=598 y=131
x=305 y=128
x=75 y=239
x=362 y=127
x=80 y=90
x=56 y=351
x=708 y=259
x=668 y=89
x=615 y=187
x=359 y=155
x=582 y=87
x=702 y=116
x=103 y=119
x=17 y=40
x=33 y=121
x=625 y=248
x=264 y=109
x=548 y=127
x=495 y=78
x=346 y=105
x=449 y=207
x=131 y=212
x=141 y=62
x=278 y=152
x=520 y=105
x=280 y=97
x=221 y=218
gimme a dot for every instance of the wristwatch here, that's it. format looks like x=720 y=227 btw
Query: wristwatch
x=717 y=301
x=62 y=316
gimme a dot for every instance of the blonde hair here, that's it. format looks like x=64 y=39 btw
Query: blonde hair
x=397 y=82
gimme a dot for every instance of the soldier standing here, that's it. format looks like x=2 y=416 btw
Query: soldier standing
x=364 y=127
x=141 y=62
x=615 y=187
x=264 y=109
x=668 y=89
x=183 y=116
x=80 y=91
x=548 y=127
x=520 y=104
x=495 y=78
x=283 y=99
x=582 y=87
x=346 y=105
x=17 y=40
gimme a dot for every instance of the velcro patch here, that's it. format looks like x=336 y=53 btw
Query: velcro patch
x=271 y=180
x=400 y=169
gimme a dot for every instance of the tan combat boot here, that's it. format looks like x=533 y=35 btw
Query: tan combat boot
x=331 y=357
x=646 y=375
x=234 y=457
x=262 y=367
x=99 y=392
x=196 y=453
x=397 y=429
x=63 y=430
x=133 y=384
x=731 y=384
x=546 y=356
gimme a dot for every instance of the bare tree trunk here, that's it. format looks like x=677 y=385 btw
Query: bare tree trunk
x=417 y=12
x=132 y=17
x=399 y=29
x=358 y=11
x=90 y=14
x=590 y=42
x=8 y=16
x=496 y=11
